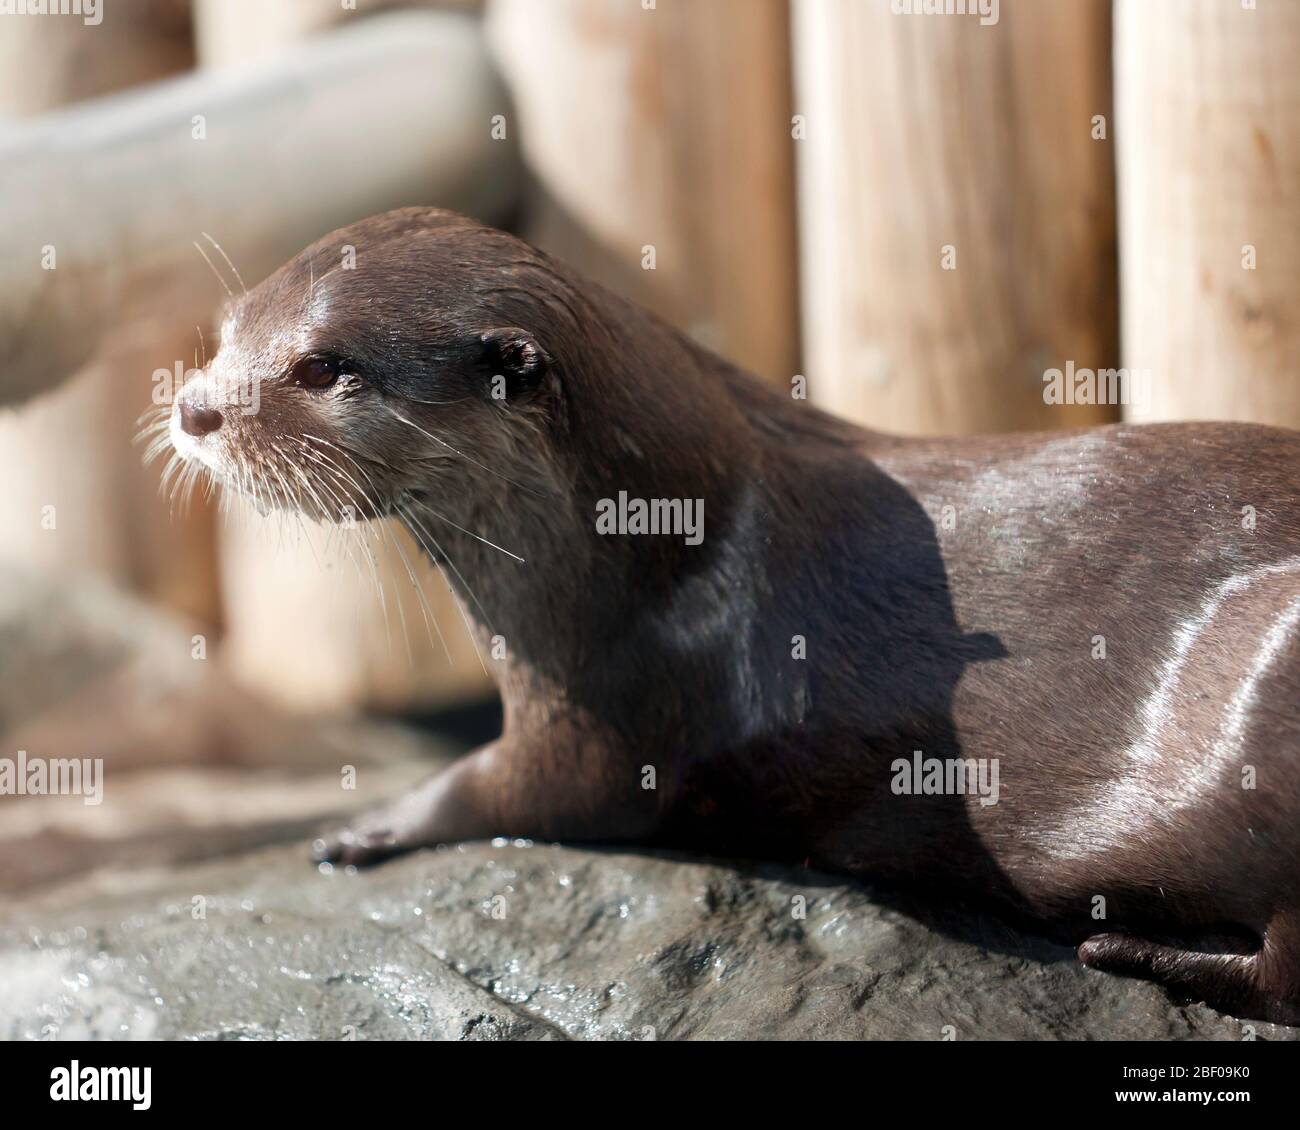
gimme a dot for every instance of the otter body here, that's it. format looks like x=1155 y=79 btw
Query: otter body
x=1060 y=671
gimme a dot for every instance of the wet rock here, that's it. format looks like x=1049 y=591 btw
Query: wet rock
x=523 y=941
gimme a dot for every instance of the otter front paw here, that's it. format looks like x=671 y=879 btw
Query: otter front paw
x=372 y=836
x=438 y=810
x=358 y=846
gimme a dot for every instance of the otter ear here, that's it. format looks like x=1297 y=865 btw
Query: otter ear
x=514 y=355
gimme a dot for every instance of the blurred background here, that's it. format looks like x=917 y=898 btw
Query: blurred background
x=919 y=214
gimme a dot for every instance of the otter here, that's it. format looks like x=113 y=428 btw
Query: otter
x=1055 y=671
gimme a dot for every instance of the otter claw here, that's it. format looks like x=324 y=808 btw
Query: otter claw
x=351 y=848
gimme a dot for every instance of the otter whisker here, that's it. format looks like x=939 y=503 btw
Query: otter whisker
x=492 y=470
x=154 y=415
x=351 y=456
x=333 y=491
x=425 y=609
x=172 y=475
x=424 y=602
x=348 y=544
x=373 y=509
x=297 y=510
x=292 y=501
x=155 y=435
x=254 y=477
x=268 y=470
x=425 y=506
x=418 y=532
x=177 y=475
x=214 y=270
x=290 y=497
x=222 y=251
x=372 y=505
x=253 y=480
x=194 y=474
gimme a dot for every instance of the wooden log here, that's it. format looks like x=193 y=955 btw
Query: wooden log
x=665 y=128
x=225 y=154
x=957 y=224
x=1208 y=116
x=233 y=33
x=72 y=451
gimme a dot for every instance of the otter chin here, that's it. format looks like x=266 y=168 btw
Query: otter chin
x=1083 y=621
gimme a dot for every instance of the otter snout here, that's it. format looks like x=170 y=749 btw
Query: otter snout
x=198 y=419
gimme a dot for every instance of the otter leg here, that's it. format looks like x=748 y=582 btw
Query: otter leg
x=447 y=806
x=1264 y=985
x=498 y=790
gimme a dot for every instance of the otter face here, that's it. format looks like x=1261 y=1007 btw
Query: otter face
x=277 y=440
x=339 y=392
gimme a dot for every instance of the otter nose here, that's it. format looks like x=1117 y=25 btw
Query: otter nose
x=198 y=419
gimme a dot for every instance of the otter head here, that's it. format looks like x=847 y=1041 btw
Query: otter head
x=391 y=360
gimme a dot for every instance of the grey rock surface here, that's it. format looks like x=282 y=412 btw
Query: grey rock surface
x=533 y=941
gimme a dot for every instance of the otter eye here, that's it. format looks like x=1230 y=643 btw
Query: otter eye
x=315 y=372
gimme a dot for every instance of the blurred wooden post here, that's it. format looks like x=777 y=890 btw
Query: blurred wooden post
x=231 y=33
x=934 y=141
x=1208 y=115
x=303 y=618
x=47 y=63
x=665 y=128
x=73 y=449
x=234 y=32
